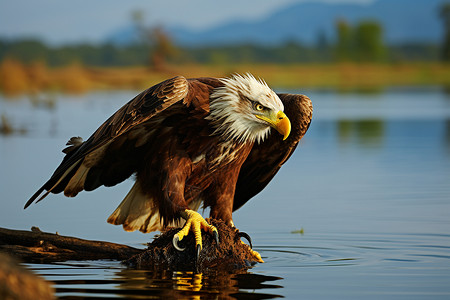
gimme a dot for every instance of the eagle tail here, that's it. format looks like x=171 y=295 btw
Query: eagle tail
x=139 y=211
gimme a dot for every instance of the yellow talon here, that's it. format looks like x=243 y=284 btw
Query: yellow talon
x=257 y=256
x=254 y=253
x=194 y=222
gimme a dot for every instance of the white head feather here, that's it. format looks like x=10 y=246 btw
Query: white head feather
x=231 y=108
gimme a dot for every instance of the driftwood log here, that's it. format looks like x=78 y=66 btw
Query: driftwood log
x=40 y=247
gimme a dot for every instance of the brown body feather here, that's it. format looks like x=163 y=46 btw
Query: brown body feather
x=162 y=136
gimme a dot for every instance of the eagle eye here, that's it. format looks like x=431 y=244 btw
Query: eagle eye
x=258 y=107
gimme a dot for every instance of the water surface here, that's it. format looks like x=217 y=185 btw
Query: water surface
x=369 y=185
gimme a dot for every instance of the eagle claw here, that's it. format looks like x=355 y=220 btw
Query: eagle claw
x=175 y=240
x=199 y=248
x=194 y=222
x=216 y=236
x=255 y=254
x=245 y=236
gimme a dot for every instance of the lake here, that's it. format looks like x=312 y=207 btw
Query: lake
x=361 y=210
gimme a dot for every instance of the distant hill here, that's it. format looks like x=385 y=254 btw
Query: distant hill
x=403 y=21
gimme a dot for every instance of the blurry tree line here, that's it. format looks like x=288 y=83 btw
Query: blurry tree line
x=108 y=54
x=361 y=42
x=445 y=16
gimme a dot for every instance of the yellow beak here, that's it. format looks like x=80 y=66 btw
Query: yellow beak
x=278 y=121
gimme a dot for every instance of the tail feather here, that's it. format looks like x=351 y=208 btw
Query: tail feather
x=49 y=186
x=76 y=183
x=137 y=211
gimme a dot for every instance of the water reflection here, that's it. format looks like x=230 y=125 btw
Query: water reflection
x=362 y=90
x=357 y=261
x=447 y=135
x=365 y=133
x=84 y=282
x=194 y=285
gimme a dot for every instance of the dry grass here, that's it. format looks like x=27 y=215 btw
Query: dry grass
x=13 y=77
x=17 y=78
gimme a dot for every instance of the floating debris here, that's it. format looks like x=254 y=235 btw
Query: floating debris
x=6 y=127
x=300 y=231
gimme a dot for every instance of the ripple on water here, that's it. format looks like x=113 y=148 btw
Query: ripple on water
x=358 y=249
x=405 y=255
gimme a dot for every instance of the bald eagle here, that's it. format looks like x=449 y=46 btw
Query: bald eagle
x=188 y=142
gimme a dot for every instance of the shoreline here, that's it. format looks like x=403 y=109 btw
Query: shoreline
x=18 y=79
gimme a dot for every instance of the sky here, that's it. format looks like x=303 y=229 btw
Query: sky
x=63 y=21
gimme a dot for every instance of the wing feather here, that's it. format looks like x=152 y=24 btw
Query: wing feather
x=143 y=107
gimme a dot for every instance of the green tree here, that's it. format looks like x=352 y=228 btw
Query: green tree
x=344 y=44
x=368 y=42
x=362 y=43
x=445 y=16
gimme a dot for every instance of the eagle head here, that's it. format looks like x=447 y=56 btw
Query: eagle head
x=244 y=109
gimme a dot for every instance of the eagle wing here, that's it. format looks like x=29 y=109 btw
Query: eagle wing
x=266 y=158
x=92 y=163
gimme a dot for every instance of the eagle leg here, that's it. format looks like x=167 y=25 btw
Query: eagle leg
x=194 y=222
